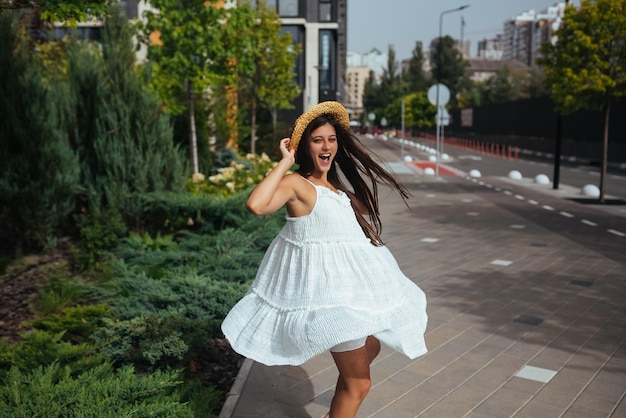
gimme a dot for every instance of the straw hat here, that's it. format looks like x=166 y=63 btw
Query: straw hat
x=335 y=109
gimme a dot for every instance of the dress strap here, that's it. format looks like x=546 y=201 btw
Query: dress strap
x=314 y=185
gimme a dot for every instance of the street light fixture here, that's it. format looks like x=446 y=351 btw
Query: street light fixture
x=439 y=48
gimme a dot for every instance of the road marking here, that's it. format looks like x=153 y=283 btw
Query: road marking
x=501 y=262
x=533 y=202
x=468 y=200
x=586 y=222
x=519 y=197
x=508 y=192
x=515 y=226
x=618 y=233
x=429 y=240
x=546 y=207
x=567 y=214
x=473 y=213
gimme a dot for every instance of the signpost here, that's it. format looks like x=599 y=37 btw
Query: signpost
x=439 y=95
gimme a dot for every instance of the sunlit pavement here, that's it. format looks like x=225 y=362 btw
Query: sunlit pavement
x=527 y=317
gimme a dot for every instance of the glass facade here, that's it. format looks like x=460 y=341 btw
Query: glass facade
x=327 y=65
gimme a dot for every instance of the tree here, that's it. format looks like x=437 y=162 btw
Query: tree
x=69 y=12
x=506 y=85
x=448 y=66
x=185 y=45
x=415 y=77
x=586 y=67
x=263 y=60
x=129 y=150
x=378 y=95
x=39 y=170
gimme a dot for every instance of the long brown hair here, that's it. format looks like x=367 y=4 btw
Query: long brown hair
x=355 y=161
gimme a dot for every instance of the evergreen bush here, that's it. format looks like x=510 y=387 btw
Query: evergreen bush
x=54 y=392
x=39 y=170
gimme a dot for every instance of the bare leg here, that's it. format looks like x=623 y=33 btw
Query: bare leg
x=353 y=382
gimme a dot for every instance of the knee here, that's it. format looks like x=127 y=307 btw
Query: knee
x=358 y=388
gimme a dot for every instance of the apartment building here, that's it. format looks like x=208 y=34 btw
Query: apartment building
x=320 y=26
x=524 y=33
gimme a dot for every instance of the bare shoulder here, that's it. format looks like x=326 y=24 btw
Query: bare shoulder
x=304 y=195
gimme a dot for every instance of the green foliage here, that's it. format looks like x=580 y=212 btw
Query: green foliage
x=52 y=391
x=448 y=66
x=376 y=97
x=123 y=139
x=506 y=85
x=202 y=400
x=415 y=77
x=76 y=323
x=42 y=348
x=68 y=11
x=39 y=172
x=187 y=47
x=159 y=323
x=100 y=230
x=58 y=293
x=263 y=59
x=587 y=65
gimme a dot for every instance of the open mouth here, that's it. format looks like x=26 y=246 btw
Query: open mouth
x=325 y=157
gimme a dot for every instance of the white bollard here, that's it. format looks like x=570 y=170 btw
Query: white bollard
x=590 y=190
x=432 y=158
x=474 y=173
x=429 y=171
x=515 y=175
x=445 y=156
x=408 y=158
x=542 y=179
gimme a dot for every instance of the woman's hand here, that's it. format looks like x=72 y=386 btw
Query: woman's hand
x=287 y=154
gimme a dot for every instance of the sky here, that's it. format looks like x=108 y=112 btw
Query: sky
x=380 y=23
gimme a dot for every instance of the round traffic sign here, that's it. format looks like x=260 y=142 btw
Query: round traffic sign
x=444 y=94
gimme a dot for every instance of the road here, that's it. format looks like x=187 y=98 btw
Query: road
x=572 y=174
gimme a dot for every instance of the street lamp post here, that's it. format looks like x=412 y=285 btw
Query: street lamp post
x=465 y=6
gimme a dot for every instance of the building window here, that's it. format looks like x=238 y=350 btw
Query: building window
x=297 y=37
x=288 y=8
x=326 y=11
x=327 y=60
x=284 y=8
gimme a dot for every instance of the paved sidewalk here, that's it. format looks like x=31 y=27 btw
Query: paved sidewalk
x=526 y=301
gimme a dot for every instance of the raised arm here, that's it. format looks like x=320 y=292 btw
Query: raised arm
x=273 y=192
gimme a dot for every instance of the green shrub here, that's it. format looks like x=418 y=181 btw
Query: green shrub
x=51 y=391
x=77 y=323
x=164 y=322
x=100 y=230
x=202 y=400
x=42 y=348
x=57 y=294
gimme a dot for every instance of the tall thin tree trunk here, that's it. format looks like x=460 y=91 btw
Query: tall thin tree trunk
x=605 y=148
x=193 y=140
x=252 y=126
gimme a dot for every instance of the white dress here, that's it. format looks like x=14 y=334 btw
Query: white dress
x=322 y=283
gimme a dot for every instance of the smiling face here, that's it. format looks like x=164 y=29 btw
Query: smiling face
x=323 y=148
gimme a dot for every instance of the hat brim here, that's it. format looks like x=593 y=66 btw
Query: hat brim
x=335 y=109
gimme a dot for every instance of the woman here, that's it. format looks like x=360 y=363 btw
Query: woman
x=327 y=282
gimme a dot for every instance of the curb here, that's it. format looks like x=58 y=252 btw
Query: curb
x=232 y=397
